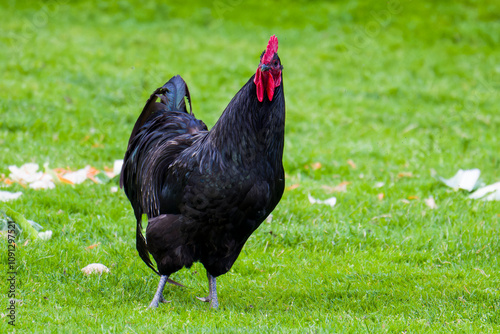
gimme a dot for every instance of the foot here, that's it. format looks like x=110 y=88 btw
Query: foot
x=212 y=297
x=158 y=298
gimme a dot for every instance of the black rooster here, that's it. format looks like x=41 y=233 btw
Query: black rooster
x=205 y=192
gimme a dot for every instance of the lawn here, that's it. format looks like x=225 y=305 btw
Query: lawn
x=381 y=97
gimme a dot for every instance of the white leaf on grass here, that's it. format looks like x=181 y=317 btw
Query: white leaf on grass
x=117 y=167
x=95 y=268
x=27 y=173
x=78 y=176
x=8 y=196
x=430 y=202
x=45 y=235
x=45 y=182
x=330 y=201
x=464 y=179
x=488 y=193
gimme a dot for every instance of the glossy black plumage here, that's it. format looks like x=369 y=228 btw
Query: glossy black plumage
x=204 y=192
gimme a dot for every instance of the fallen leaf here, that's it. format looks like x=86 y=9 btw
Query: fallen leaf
x=380 y=196
x=405 y=174
x=22 y=222
x=95 y=268
x=45 y=182
x=463 y=179
x=430 y=202
x=293 y=186
x=27 y=173
x=316 y=165
x=76 y=177
x=117 y=167
x=351 y=163
x=9 y=196
x=313 y=166
x=64 y=180
x=330 y=201
x=91 y=173
x=93 y=246
x=341 y=187
x=488 y=193
x=412 y=197
x=46 y=235
x=404 y=200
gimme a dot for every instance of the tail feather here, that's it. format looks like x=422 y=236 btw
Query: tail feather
x=172 y=96
x=149 y=151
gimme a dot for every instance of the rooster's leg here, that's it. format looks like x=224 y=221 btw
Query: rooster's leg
x=158 y=298
x=214 y=303
x=212 y=296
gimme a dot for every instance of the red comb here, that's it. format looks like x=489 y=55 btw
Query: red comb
x=272 y=48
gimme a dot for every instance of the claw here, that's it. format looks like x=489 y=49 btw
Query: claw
x=204 y=299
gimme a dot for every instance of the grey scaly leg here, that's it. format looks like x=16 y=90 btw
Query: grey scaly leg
x=212 y=286
x=212 y=296
x=159 y=292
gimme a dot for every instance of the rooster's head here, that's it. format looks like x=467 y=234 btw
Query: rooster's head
x=268 y=75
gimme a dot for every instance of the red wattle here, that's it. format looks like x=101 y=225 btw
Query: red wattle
x=270 y=86
x=259 y=85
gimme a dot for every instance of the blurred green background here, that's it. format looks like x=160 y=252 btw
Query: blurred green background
x=363 y=79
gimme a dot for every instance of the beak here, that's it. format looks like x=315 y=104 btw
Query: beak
x=264 y=67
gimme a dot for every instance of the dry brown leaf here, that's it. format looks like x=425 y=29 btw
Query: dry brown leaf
x=380 y=196
x=341 y=187
x=293 y=186
x=412 y=197
x=313 y=166
x=93 y=246
x=405 y=174
x=351 y=163
x=63 y=180
x=61 y=171
x=92 y=173
x=316 y=165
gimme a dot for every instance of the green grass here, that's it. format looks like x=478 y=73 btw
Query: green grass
x=401 y=86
